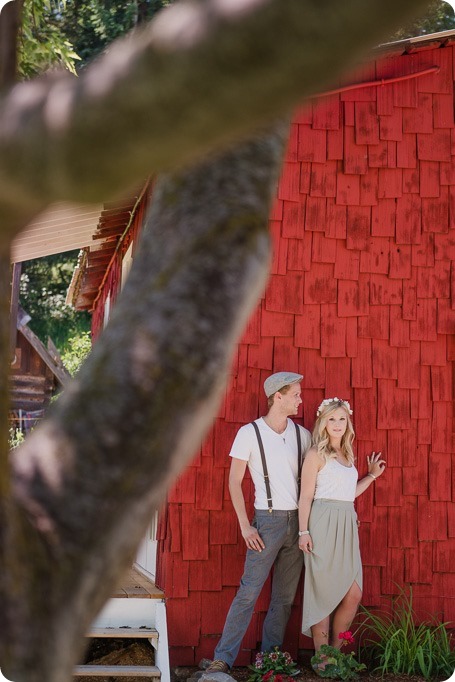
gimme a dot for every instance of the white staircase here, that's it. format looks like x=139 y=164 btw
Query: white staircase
x=132 y=618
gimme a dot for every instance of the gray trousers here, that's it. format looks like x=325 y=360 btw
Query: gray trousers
x=279 y=532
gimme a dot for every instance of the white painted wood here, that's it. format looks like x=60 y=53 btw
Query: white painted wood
x=146 y=555
x=162 y=650
x=131 y=612
x=117 y=671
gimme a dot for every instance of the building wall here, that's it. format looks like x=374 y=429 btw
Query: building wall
x=361 y=301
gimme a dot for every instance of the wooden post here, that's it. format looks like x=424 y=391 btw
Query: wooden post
x=15 y=282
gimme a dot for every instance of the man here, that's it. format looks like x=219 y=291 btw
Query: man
x=272 y=537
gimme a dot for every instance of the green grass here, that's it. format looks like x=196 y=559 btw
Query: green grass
x=397 y=644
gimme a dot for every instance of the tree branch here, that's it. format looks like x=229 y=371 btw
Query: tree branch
x=154 y=385
x=198 y=77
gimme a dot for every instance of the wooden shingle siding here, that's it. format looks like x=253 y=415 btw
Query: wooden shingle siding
x=361 y=300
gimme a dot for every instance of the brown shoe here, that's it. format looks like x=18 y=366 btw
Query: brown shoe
x=218 y=666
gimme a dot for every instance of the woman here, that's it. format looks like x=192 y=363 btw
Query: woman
x=328 y=533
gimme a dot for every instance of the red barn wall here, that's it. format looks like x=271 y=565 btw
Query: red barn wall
x=361 y=300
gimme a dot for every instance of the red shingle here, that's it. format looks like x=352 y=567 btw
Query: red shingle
x=411 y=180
x=324 y=249
x=409 y=366
x=423 y=254
x=355 y=155
x=299 y=253
x=432 y=518
x=391 y=127
x=315 y=217
x=320 y=285
x=403 y=526
x=400 y=261
x=333 y=333
x=336 y=220
x=429 y=179
x=261 y=355
x=435 y=213
x=369 y=188
x=407 y=151
x=358 y=227
x=441 y=427
x=307 y=327
x=289 y=185
x=440 y=474
x=446 y=317
x=385 y=291
x=419 y=119
x=399 y=328
x=378 y=155
x=390 y=183
x=376 y=325
x=323 y=179
x=348 y=190
x=313 y=368
x=206 y=575
x=361 y=366
x=423 y=328
x=443 y=111
x=353 y=298
x=276 y=324
x=284 y=294
x=408 y=219
x=347 y=262
x=434 y=146
x=312 y=144
x=327 y=113
x=394 y=409
x=366 y=123
x=383 y=217
x=375 y=257
x=415 y=478
x=294 y=218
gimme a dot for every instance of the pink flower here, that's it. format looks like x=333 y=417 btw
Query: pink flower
x=346 y=637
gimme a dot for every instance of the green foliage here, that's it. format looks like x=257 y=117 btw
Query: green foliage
x=398 y=645
x=91 y=25
x=272 y=666
x=42 y=45
x=44 y=283
x=78 y=347
x=16 y=437
x=332 y=663
x=439 y=16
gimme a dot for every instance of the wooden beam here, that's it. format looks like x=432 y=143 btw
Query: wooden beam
x=14 y=305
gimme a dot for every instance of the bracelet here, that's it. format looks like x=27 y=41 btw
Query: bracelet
x=303 y=532
x=372 y=476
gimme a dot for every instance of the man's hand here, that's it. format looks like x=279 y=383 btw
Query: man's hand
x=252 y=539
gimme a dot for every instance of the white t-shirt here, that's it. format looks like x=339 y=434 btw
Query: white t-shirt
x=282 y=462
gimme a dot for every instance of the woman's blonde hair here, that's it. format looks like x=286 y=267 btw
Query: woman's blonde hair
x=321 y=438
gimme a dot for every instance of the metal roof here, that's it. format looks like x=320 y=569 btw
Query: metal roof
x=406 y=45
x=61 y=227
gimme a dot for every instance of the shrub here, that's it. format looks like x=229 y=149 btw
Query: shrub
x=398 y=645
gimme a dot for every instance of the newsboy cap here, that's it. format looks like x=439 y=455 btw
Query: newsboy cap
x=274 y=382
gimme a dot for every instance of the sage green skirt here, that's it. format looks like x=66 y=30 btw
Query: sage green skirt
x=334 y=564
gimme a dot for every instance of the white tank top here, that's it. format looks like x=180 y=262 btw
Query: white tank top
x=336 y=482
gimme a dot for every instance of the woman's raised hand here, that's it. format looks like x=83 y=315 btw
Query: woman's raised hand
x=376 y=465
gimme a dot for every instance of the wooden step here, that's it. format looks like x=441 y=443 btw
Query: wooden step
x=117 y=671
x=125 y=633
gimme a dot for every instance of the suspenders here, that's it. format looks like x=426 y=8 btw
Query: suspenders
x=264 y=463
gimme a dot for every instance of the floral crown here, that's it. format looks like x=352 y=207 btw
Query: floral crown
x=329 y=401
